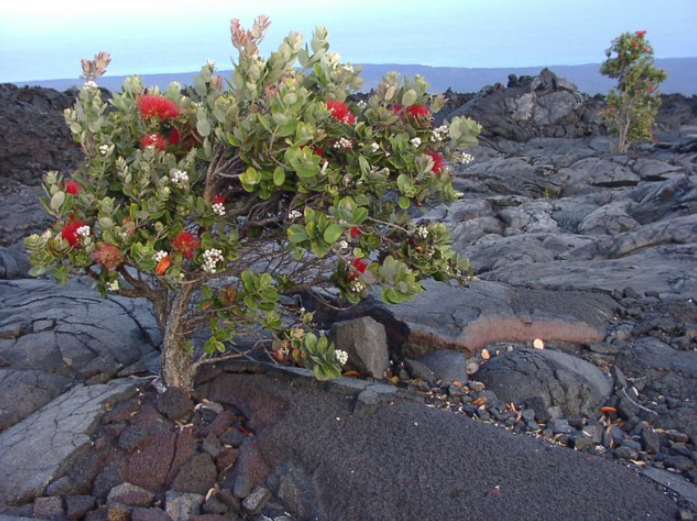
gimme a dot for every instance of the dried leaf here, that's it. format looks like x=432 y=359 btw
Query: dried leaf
x=485 y=354
x=457 y=384
x=480 y=401
x=353 y=374
x=608 y=409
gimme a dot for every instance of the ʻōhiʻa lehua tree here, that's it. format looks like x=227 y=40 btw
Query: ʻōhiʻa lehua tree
x=216 y=201
x=631 y=108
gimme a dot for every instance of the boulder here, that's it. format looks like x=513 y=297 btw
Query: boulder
x=365 y=342
x=547 y=106
x=542 y=378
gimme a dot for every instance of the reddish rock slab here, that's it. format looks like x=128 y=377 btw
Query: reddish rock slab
x=469 y=318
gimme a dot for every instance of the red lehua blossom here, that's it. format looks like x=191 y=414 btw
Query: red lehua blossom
x=397 y=108
x=218 y=199
x=640 y=33
x=315 y=150
x=108 y=256
x=438 y=161
x=419 y=111
x=174 y=137
x=71 y=187
x=156 y=140
x=355 y=232
x=340 y=112
x=163 y=265
x=359 y=265
x=151 y=105
x=69 y=233
x=186 y=242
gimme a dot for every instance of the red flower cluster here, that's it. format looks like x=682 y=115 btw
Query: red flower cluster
x=640 y=33
x=71 y=187
x=69 y=232
x=218 y=199
x=174 y=137
x=419 y=111
x=156 y=139
x=340 y=112
x=186 y=242
x=359 y=266
x=151 y=105
x=438 y=161
x=108 y=256
x=355 y=232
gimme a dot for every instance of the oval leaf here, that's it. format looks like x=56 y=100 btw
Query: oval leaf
x=279 y=176
x=332 y=233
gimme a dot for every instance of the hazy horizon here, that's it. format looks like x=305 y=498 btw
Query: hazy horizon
x=45 y=40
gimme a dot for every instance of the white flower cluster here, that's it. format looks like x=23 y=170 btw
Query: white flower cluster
x=374 y=147
x=421 y=231
x=362 y=105
x=341 y=356
x=342 y=245
x=439 y=134
x=113 y=286
x=159 y=255
x=89 y=85
x=104 y=149
x=343 y=143
x=83 y=231
x=466 y=158
x=356 y=286
x=416 y=142
x=294 y=215
x=179 y=177
x=219 y=209
x=210 y=259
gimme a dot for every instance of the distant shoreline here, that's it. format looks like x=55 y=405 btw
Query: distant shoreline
x=682 y=77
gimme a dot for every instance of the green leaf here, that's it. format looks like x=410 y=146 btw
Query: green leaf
x=365 y=166
x=57 y=201
x=200 y=86
x=203 y=126
x=404 y=202
x=250 y=176
x=320 y=373
x=249 y=280
x=60 y=274
x=360 y=214
x=37 y=271
x=332 y=233
x=297 y=234
x=391 y=296
x=232 y=139
x=279 y=176
x=409 y=98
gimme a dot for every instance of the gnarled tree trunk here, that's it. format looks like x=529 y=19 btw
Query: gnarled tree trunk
x=177 y=362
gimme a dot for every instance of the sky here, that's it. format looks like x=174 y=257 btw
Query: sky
x=45 y=39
